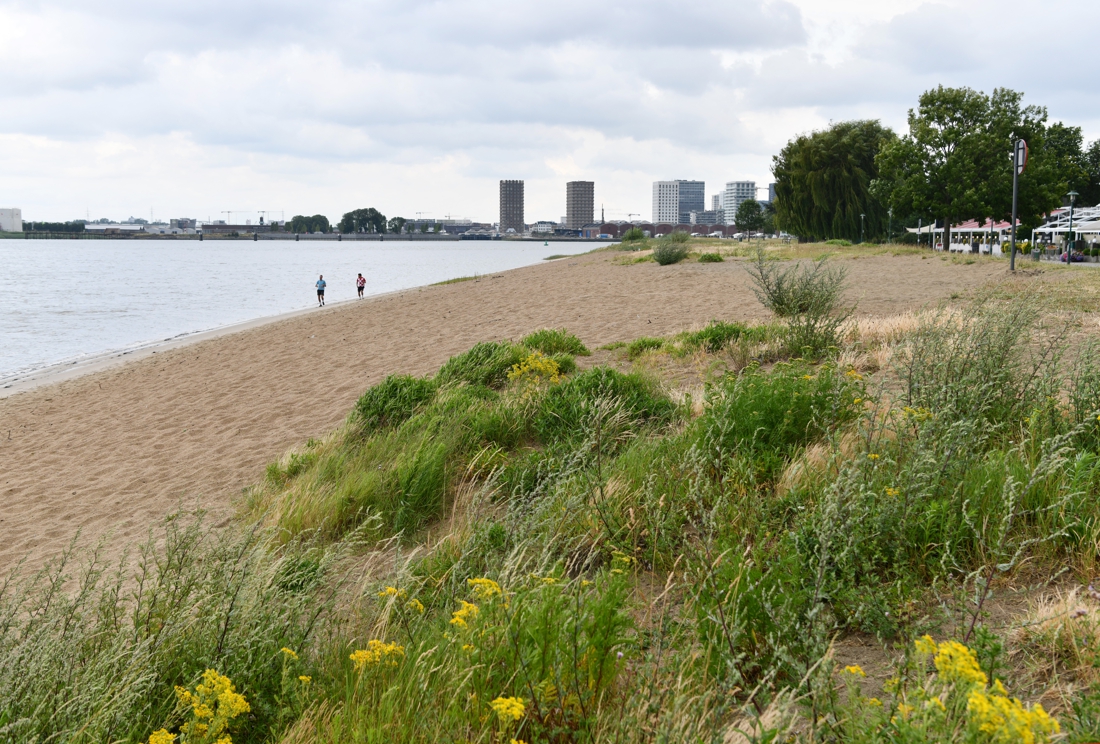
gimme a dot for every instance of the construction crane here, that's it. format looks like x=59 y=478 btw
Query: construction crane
x=631 y=214
x=229 y=218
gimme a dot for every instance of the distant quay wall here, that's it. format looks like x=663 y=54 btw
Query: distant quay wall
x=335 y=237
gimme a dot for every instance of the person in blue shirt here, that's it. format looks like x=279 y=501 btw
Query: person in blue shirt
x=321 y=291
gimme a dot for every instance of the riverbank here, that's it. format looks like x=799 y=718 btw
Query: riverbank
x=112 y=451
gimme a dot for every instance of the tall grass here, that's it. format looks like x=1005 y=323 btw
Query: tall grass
x=552 y=555
x=91 y=652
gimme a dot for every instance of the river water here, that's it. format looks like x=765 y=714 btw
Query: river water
x=66 y=300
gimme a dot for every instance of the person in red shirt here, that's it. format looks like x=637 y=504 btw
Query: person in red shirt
x=359 y=284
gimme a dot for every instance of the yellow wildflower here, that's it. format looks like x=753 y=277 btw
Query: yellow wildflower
x=391 y=591
x=466 y=612
x=484 y=589
x=549 y=580
x=508 y=708
x=857 y=401
x=305 y=679
x=936 y=703
x=807 y=377
x=289 y=653
x=892 y=492
x=416 y=605
x=1007 y=720
x=855 y=669
x=957 y=663
x=852 y=374
x=536 y=369
x=872 y=456
x=518 y=741
x=161 y=736
x=875 y=702
x=377 y=652
x=925 y=645
x=213 y=704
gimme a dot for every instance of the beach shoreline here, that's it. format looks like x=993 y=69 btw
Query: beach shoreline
x=113 y=446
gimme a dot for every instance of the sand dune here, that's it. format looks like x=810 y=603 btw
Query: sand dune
x=115 y=450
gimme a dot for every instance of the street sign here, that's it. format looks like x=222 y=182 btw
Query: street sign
x=1021 y=156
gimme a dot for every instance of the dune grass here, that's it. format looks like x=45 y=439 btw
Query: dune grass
x=549 y=554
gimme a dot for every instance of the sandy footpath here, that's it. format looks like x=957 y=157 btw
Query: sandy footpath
x=114 y=450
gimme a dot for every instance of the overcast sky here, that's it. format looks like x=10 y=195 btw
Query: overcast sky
x=187 y=108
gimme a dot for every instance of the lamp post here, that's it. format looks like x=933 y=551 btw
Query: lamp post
x=890 y=226
x=1069 y=237
x=861 y=227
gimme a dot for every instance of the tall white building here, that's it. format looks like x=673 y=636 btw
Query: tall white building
x=11 y=220
x=716 y=203
x=674 y=201
x=666 y=201
x=735 y=193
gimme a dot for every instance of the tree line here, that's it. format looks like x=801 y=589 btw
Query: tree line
x=367 y=220
x=856 y=179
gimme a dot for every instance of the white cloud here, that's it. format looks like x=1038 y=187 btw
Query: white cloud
x=421 y=105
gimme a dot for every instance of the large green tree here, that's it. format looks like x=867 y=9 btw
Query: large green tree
x=363 y=220
x=300 y=223
x=396 y=224
x=749 y=215
x=823 y=182
x=955 y=163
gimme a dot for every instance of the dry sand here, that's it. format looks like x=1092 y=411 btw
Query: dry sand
x=115 y=450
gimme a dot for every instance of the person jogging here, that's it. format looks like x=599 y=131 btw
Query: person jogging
x=321 y=291
x=359 y=284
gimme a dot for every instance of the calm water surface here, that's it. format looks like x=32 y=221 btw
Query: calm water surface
x=63 y=300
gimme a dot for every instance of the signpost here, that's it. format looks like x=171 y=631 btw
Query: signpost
x=1019 y=162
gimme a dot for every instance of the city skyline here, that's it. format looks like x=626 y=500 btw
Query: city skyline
x=124 y=108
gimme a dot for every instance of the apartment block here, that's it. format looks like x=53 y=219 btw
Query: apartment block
x=735 y=193
x=580 y=204
x=511 y=207
x=674 y=201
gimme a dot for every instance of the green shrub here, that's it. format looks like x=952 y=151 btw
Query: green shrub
x=565 y=409
x=718 y=335
x=393 y=400
x=567 y=365
x=551 y=341
x=640 y=346
x=668 y=252
x=633 y=235
x=767 y=417
x=487 y=363
x=711 y=258
x=808 y=296
x=838 y=241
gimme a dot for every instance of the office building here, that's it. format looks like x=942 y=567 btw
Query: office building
x=511 y=207
x=11 y=220
x=716 y=203
x=674 y=201
x=735 y=193
x=580 y=204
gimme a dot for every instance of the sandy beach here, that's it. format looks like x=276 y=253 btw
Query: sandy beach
x=116 y=448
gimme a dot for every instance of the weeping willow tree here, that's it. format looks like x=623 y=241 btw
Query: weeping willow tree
x=822 y=182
